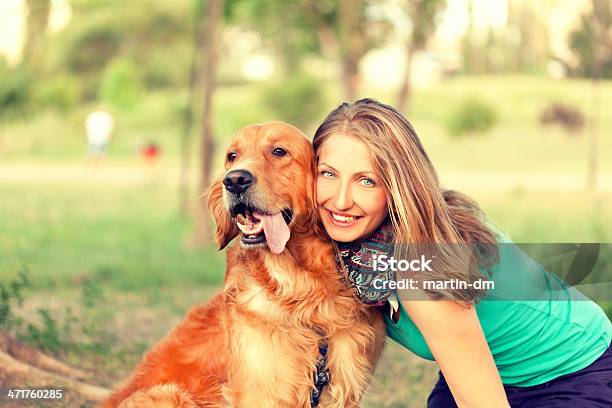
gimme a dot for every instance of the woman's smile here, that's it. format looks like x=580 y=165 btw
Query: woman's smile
x=342 y=220
x=351 y=200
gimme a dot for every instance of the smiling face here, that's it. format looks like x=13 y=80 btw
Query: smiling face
x=351 y=200
x=266 y=187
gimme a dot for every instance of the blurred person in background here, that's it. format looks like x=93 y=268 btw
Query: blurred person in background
x=99 y=126
x=150 y=153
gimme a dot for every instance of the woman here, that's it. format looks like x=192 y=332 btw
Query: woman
x=378 y=194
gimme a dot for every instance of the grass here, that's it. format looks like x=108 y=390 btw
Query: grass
x=131 y=235
x=112 y=260
x=109 y=260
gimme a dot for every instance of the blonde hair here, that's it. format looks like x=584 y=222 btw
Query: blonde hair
x=420 y=211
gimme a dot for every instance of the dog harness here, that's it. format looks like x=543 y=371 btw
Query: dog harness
x=354 y=263
x=321 y=377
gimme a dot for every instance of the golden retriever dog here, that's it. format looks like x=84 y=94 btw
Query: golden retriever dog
x=256 y=343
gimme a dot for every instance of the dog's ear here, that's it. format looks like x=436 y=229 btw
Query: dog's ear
x=226 y=229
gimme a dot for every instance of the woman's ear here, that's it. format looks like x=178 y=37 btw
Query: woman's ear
x=226 y=228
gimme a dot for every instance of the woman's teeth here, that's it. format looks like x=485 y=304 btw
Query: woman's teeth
x=342 y=218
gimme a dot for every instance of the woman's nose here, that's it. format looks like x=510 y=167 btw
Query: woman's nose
x=344 y=199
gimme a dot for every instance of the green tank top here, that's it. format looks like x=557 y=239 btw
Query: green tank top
x=533 y=341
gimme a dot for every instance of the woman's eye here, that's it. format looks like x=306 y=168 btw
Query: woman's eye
x=279 y=152
x=368 y=182
x=231 y=156
x=327 y=174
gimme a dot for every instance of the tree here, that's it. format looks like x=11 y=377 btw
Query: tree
x=211 y=42
x=352 y=44
x=345 y=31
x=593 y=44
x=468 y=40
x=527 y=36
x=337 y=29
x=36 y=25
x=183 y=193
x=422 y=14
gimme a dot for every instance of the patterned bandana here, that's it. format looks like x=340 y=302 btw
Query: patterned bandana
x=355 y=262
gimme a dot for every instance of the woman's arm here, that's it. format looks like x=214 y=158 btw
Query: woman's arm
x=455 y=338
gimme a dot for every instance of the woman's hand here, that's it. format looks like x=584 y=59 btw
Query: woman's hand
x=455 y=338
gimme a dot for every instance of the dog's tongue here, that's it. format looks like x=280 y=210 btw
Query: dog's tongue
x=276 y=230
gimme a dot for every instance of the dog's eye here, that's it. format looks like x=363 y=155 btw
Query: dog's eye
x=279 y=152
x=231 y=156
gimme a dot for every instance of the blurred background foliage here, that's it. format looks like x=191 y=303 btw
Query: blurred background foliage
x=114 y=53
x=509 y=98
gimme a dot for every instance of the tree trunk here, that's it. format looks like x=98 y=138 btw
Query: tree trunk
x=36 y=25
x=328 y=42
x=405 y=93
x=35 y=357
x=468 y=41
x=593 y=137
x=521 y=57
x=35 y=376
x=349 y=77
x=20 y=362
x=351 y=47
x=213 y=29
x=185 y=161
x=598 y=38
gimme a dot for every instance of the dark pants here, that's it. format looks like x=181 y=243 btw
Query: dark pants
x=589 y=387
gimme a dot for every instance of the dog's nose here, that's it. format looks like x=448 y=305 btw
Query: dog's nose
x=238 y=181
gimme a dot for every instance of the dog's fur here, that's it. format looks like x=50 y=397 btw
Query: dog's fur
x=255 y=344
